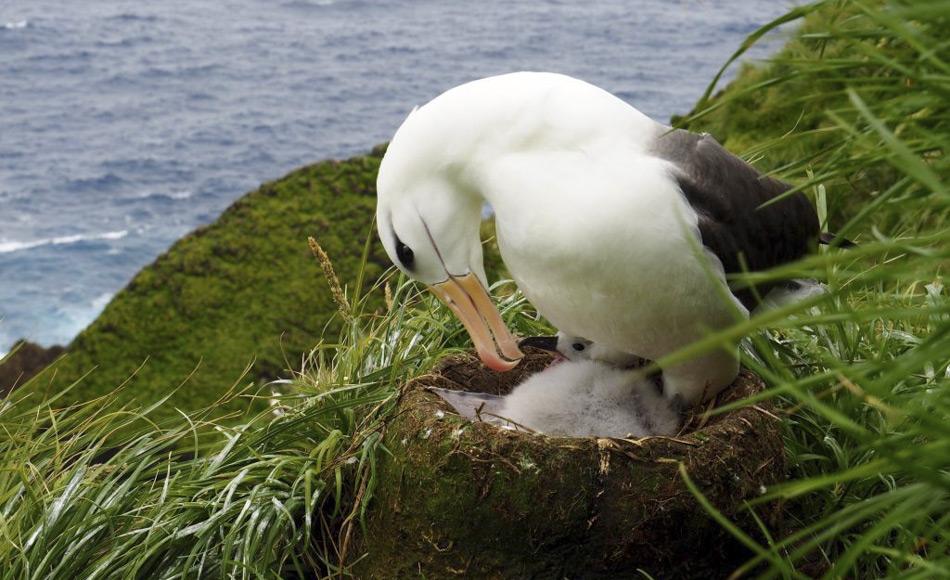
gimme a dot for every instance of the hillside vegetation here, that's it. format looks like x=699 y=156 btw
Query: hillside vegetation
x=855 y=112
x=236 y=302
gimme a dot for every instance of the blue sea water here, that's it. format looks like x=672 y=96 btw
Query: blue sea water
x=126 y=124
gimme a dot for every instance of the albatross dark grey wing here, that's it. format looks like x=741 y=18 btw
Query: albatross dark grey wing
x=728 y=195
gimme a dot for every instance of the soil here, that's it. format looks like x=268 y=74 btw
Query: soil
x=27 y=361
x=456 y=498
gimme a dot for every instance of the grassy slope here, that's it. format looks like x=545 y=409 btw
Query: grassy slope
x=242 y=291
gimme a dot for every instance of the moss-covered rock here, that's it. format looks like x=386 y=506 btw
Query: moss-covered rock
x=460 y=498
x=24 y=361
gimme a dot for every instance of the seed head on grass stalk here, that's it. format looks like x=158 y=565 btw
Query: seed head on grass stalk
x=336 y=289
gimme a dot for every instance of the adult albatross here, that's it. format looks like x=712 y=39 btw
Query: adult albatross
x=614 y=226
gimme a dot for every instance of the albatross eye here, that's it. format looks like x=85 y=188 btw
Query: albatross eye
x=405 y=255
x=579 y=346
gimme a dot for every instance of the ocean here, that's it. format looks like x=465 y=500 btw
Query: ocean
x=126 y=124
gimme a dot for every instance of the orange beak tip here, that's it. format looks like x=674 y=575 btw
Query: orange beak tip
x=469 y=301
x=498 y=364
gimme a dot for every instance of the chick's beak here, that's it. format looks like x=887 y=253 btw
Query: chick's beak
x=469 y=301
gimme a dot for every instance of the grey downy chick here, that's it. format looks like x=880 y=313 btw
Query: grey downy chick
x=484 y=406
x=576 y=348
x=594 y=392
x=589 y=398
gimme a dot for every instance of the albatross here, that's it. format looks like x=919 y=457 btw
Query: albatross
x=615 y=227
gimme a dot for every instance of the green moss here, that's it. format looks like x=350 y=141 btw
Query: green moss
x=244 y=292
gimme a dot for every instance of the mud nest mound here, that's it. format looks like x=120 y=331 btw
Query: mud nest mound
x=461 y=498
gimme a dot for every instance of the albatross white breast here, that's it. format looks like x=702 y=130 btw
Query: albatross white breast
x=616 y=227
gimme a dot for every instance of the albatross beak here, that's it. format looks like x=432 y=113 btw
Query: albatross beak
x=548 y=343
x=470 y=302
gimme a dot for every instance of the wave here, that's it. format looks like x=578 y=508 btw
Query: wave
x=106 y=182
x=132 y=17
x=172 y=195
x=15 y=25
x=178 y=71
x=52 y=324
x=7 y=247
x=305 y=4
x=99 y=302
x=160 y=197
x=124 y=42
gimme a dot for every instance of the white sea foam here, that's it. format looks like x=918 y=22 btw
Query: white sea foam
x=7 y=246
x=179 y=194
x=16 y=25
x=100 y=301
x=173 y=195
x=309 y=4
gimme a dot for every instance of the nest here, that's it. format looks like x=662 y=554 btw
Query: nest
x=461 y=498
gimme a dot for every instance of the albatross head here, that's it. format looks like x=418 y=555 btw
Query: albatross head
x=428 y=221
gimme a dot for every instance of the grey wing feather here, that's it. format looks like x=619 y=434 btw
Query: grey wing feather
x=728 y=195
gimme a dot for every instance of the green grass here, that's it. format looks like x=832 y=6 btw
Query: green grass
x=854 y=111
x=102 y=488
x=861 y=374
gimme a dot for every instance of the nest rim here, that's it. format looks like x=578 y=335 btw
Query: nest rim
x=703 y=421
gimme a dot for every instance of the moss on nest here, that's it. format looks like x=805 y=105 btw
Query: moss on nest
x=456 y=497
